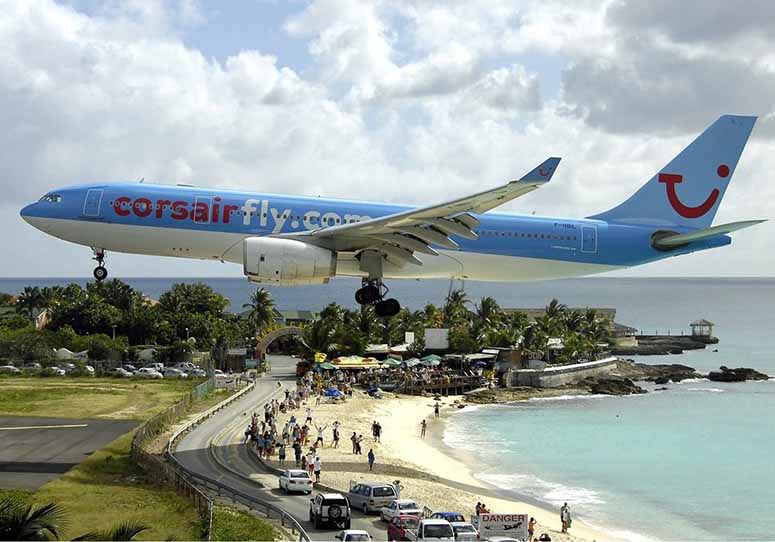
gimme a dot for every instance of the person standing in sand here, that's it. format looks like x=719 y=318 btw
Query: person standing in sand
x=423 y=427
x=565 y=517
x=371 y=458
x=354 y=440
x=436 y=410
x=531 y=529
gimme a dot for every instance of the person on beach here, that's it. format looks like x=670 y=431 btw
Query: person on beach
x=320 y=434
x=309 y=415
x=377 y=432
x=354 y=440
x=423 y=427
x=318 y=467
x=335 y=443
x=565 y=517
x=297 y=452
x=371 y=458
x=358 y=449
x=478 y=508
x=281 y=454
x=531 y=529
x=436 y=410
x=311 y=462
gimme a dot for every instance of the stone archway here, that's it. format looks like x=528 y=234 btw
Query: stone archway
x=263 y=341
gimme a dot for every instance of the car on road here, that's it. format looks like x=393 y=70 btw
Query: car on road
x=452 y=517
x=295 y=480
x=400 y=507
x=329 y=509
x=400 y=527
x=147 y=372
x=433 y=529
x=174 y=373
x=120 y=372
x=464 y=531
x=371 y=496
x=354 y=535
x=9 y=370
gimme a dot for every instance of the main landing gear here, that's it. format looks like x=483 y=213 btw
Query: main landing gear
x=373 y=292
x=100 y=272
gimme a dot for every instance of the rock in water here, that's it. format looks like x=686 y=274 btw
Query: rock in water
x=739 y=374
x=612 y=386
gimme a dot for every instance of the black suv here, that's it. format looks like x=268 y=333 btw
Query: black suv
x=331 y=509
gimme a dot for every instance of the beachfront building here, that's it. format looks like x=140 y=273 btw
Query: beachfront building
x=702 y=328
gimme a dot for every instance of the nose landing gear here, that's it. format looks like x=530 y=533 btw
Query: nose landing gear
x=100 y=272
x=373 y=292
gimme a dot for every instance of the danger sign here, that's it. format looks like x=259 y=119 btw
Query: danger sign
x=509 y=525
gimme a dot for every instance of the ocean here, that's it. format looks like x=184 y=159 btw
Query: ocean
x=691 y=463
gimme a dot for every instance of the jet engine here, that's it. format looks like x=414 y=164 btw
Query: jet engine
x=286 y=262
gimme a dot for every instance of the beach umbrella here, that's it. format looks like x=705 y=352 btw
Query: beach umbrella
x=390 y=362
x=327 y=366
x=431 y=357
x=430 y=362
x=412 y=362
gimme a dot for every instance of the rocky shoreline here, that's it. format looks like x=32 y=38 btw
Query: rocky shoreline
x=622 y=381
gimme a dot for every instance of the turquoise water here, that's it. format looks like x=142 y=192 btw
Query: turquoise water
x=693 y=462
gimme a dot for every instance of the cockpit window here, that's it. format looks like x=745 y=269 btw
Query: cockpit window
x=53 y=198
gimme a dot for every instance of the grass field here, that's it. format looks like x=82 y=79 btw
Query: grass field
x=110 y=398
x=107 y=489
x=230 y=524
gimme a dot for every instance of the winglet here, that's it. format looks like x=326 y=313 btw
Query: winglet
x=543 y=172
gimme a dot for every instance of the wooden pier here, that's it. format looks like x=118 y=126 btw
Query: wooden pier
x=444 y=385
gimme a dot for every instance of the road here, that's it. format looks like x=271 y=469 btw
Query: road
x=34 y=451
x=230 y=462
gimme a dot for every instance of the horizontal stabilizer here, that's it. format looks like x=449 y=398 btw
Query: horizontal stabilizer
x=677 y=240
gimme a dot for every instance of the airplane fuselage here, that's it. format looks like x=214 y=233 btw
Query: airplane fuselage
x=210 y=224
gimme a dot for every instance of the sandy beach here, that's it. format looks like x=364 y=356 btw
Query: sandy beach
x=429 y=473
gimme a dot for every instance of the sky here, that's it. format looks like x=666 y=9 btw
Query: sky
x=410 y=101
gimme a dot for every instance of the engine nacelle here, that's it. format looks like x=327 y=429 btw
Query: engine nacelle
x=286 y=262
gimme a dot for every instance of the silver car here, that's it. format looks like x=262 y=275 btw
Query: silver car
x=371 y=496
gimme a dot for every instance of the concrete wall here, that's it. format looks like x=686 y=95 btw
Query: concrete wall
x=555 y=376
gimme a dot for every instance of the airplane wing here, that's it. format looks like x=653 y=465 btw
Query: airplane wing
x=400 y=235
x=678 y=240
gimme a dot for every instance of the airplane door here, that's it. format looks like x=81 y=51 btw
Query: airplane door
x=91 y=205
x=588 y=239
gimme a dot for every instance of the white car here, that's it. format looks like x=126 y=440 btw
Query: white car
x=354 y=535
x=120 y=373
x=295 y=480
x=196 y=373
x=465 y=531
x=399 y=507
x=9 y=369
x=434 y=529
x=147 y=372
x=174 y=373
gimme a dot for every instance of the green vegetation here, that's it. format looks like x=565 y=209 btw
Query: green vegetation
x=230 y=524
x=108 y=491
x=89 y=397
x=472 y=327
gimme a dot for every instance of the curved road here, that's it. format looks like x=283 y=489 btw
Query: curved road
x=215 y=449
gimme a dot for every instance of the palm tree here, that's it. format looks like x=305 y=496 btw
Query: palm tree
x=121 y=532
x=30 y=299
x=22 y=521
x=455 y=311
x=260 y=309
x=489 y=310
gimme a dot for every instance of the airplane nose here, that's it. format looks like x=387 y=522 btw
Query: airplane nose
x=26 y=212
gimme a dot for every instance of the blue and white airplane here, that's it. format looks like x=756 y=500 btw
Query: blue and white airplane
x=292 y=240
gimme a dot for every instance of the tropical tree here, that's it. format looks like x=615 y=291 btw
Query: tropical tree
x=23 y=521
x=121 y=532
x=455 y=311
x=260 y=309
x=30 y=299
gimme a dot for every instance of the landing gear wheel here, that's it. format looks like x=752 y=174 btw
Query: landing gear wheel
x=388 y=307
x=368 y=295
x=100 y=273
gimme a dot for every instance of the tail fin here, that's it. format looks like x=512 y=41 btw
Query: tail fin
x=543 y=172
x=688 y=190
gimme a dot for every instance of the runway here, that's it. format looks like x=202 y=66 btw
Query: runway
x=34 y=451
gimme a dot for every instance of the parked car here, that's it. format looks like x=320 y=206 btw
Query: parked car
x=174 y=373
x=147 y=372
x=331 y=509
x=354 y=535
x=66 y=366
x=52 y=371
x=371 y=496
x=452 y=517
x=120 y=372
x=9 y=370
x=32 y=367
x=433 y=529
x=129 y=367
x=400 y=507
x=89 y=369
x=295 y=480
x=400 y=527
x=196 y=373
x=155 y=366
x=464 y=531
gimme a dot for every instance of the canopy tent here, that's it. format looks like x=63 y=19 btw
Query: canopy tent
x=356 y=362
x=431 y=357
x=325 y=366
x=390 y=362
x=395 y=356
x=430 y=362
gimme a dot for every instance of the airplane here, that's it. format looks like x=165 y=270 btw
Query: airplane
x=292 y=240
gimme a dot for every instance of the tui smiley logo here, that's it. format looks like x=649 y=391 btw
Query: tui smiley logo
x=686 y=211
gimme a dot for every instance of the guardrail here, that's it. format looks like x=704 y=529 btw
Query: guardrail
x=193 y=478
